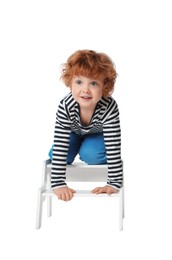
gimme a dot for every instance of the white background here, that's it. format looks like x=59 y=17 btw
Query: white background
x=36 y=38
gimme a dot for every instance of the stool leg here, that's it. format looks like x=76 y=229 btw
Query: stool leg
x=49 y=198
x=121 y=210
x=123 y=203
x=49 y=206
x=39 y=209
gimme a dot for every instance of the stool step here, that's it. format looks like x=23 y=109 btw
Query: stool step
x=82 y=172
x=82 y=193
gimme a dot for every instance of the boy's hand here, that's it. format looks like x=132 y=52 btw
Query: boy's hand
x=106 y=189
x=64 y=193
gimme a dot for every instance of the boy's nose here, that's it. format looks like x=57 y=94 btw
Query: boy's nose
x=85 y=88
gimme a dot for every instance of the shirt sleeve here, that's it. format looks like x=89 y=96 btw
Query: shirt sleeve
x=112 y=139
x=60 y=148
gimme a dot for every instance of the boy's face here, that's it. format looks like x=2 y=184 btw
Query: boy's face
x=87 y=92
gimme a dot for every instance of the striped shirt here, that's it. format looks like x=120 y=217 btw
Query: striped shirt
x=105 y=119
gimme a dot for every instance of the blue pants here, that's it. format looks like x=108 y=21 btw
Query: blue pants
x=91 y=149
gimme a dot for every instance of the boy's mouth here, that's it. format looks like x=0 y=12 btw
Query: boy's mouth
x=86 y=97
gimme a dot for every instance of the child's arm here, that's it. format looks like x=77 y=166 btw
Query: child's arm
x=106 y=189
x=112 y=139
x=64 y=193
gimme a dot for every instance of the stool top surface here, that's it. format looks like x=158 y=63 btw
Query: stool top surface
x=82 y=165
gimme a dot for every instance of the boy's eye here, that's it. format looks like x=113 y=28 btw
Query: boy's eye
x=94 y=83
x=78 y=82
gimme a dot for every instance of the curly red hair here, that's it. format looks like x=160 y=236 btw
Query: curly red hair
x=90 y=64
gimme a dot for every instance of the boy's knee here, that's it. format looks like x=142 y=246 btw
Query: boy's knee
x=92 y=156
x=50 y=154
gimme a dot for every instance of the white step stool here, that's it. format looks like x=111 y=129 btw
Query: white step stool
x=95 y=173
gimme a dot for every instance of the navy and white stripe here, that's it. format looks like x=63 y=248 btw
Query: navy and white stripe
x=105 y=119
